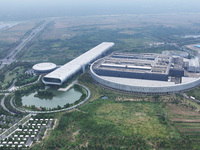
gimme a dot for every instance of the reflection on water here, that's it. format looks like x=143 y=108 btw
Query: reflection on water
x=61 y=98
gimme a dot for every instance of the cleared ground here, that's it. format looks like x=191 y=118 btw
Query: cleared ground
x=187 y=121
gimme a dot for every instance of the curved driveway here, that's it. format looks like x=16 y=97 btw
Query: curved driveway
x=4 y=107
x=54 y=111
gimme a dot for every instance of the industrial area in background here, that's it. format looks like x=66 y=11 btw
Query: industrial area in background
x=151 y=73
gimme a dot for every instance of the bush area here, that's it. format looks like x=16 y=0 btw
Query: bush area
x=186 y=120
x=15 y=71
x=24 y=79
x=61 y=50
x=44 y=94
x=107 y=124
x=19 y=93
x=69 y=48
x=195 y=93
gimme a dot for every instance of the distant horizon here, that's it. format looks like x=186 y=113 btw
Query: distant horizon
x=35 y=9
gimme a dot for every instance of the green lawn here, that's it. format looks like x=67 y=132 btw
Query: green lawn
x=134 y=118
x=107 y=123
x=10 y=75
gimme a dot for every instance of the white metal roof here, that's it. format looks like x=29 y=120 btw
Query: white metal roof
x=146 y=83
x=76 y=64
x=44 y=66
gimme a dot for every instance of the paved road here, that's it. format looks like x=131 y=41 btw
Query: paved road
x=195 y=100
x=68 y=87
x=13 y=84
x=11 y=56
x=3 y=105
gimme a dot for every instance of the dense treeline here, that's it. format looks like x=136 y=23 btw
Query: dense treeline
x=23 y=79
x=12 y=66
x=26 y=90
x=45 y=94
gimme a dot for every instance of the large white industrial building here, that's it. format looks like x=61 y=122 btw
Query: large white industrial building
x=144 y=86
x=142 y=73
x=66 y=71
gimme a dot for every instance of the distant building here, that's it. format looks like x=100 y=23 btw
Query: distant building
x=176 y=53
x=194 y=65
x=197 y=46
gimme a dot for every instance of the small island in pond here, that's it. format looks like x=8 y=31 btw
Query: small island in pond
x=44 y=94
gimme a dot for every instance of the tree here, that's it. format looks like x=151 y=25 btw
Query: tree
x=156 y=98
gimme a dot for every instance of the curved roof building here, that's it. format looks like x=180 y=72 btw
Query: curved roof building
x=63 y=73
x=44 y=67
x=142 y=73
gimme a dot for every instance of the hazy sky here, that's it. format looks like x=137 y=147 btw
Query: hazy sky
x=24 y=9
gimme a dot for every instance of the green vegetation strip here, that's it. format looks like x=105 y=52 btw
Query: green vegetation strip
x=104 y=124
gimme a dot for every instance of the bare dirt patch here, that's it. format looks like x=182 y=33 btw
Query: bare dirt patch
x=185 y=120
x=182 y=111
x=189 y=130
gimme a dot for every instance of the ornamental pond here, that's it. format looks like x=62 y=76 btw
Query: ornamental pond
x=61 y=98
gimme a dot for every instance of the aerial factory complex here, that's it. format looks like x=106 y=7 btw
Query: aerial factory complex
x=63 y=73
x=149 y=73
x=146 y=73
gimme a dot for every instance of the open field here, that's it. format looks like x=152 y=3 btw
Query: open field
x=9 y=38
x=105 y=123
x=11 y=75
x=126 y=121
x=187 y=121
x=195 y=93
x=15 y=33
x=16 y=71
x=68 y=37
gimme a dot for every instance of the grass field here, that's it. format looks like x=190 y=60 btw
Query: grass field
x=195 y=93
x=11 y=75
x=15 y=33
x=187 y=121
x=125 y=121
x=106 y=123
x=10 y=37
x=67 y=38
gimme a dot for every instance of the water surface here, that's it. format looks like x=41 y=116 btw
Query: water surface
x=61 y=98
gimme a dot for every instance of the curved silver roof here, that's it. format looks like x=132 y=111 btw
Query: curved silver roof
x=44 y=66
x=66 y=71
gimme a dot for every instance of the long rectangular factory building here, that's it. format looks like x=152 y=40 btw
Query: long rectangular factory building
x=63 y=73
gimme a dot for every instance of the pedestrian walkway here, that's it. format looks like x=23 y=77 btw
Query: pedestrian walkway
x=68 y=87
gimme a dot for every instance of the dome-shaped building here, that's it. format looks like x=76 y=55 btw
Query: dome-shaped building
x=43 y=68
